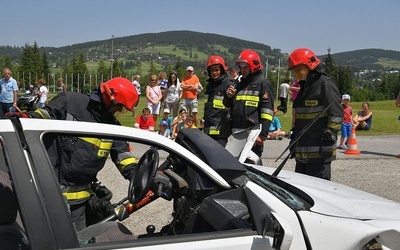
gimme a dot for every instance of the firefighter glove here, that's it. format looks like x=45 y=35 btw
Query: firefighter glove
x=328 y=144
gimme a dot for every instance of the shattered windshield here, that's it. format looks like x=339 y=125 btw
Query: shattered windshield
x=288 y=197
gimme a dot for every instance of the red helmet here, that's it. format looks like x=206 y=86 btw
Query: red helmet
x=303 y=56
x=251 y=58
x=119 y=90
x=216 y=60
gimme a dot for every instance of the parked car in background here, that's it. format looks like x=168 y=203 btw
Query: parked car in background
x=217 y=202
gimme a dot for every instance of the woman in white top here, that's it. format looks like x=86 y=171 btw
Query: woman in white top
x=153 y=97
x=172 y=94
x=42 y=94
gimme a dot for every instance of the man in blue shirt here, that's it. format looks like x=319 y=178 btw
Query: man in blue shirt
x=9 y=92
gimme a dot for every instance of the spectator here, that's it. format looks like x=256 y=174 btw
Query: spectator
x=178 y=123
x=283 y=96
x=167 y=119
x=172 y=94
x=136 y=83
x=163 y=129
x=61 y=86
x=189 y=122
x=145 y=121
x=315 y=150
x=363 y=119
x=275 y=129
x=8 y=92
x=294 y=90
x=153 y=97
x=42 y=93
x=189 y=87
x=199 y=89
x=218 y=83
x=163 y=83
x=251 y=103
x=347 y=122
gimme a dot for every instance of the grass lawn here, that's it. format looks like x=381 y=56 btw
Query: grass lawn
x=384 y=119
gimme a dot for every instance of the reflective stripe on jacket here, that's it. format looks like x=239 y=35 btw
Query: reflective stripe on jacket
x=314 y=96
x=213 y=107
x=253 y=103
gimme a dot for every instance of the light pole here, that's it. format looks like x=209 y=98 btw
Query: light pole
x=112 y=55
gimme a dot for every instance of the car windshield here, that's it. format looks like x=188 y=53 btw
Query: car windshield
x=285 y=193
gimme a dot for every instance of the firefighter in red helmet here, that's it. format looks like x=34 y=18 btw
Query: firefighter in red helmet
x=214 y=109
x=77 y=160
x=316 y=148
x=251 y=102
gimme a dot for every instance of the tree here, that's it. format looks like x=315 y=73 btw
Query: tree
x=344 y=80
x=330 y=66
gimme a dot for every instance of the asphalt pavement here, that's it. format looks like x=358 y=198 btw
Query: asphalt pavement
x=370 y=147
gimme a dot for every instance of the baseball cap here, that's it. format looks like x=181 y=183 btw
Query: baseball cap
x=163 y=123
x=345 y=97
x=189 y=68
x=166 y=111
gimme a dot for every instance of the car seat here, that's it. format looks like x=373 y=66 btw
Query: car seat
x=12 y=235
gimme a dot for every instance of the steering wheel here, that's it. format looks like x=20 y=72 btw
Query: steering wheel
x=143 y=176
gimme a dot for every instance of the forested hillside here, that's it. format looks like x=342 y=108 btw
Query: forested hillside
x=369 y=74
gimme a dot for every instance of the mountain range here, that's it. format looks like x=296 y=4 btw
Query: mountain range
x=194 y=47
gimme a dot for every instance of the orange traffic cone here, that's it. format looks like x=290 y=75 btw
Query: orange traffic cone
x=352 y=146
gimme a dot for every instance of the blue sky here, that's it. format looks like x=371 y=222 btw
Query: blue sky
x=342 y=25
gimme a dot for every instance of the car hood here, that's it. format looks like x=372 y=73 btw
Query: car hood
x=335 y=199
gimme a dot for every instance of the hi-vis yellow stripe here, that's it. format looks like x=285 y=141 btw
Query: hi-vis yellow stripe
x=98 y=142
x=218 y=104
x=248 y=98
x=103 y=145
x=77 y=195
x=126 y=162
x=267 y=117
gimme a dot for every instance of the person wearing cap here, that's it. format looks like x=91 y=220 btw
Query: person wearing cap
x=168 y=119
x=163 y=129
x=61 y=86
x=347 y=123
x=319 y=98
x=189 y=86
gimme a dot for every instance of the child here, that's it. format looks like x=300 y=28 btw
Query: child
x=145 y=121
x=163 y=129
x=190 y=121
x=179 y=123
x=275 y=129
x=347 y=121
x=168 y=119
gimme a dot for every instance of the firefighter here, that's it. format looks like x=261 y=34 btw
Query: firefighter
x=216 y=88
x=251 y=101
x=316 y=148
x=77 y=160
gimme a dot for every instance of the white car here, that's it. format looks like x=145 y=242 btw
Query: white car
x=218 y=202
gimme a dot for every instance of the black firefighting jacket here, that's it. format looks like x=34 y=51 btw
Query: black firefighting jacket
x=213 y=108
x=77 y=160
x=315 y=94
x=253 y=103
